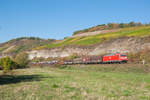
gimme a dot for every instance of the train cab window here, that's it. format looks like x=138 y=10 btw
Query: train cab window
x=123 y=55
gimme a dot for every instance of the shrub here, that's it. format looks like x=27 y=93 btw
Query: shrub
x=7 y=64
x=140 y=56
x=22 y=59
x=1 y=64
x=73 y=56
x=134 y=57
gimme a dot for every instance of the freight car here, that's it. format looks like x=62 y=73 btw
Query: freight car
x=93 y=60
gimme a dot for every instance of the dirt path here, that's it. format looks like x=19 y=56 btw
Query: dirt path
x=96 y=32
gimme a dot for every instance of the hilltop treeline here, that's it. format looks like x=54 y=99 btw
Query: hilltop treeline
x=30 y=38
x=14 y=46
x=110 y=26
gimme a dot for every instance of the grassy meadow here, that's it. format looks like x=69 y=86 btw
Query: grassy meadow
x=78 y=82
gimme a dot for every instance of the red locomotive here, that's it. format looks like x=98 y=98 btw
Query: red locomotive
x=115 y=58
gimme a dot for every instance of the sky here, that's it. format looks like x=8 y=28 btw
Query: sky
x=60 y=18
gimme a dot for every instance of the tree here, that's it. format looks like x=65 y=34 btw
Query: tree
x=139 y=24
x=1 y=67
x=131 y=24
x=113 y=25
x=123 y=25
x=7 y=64
x=22 y=59
x=110 y=25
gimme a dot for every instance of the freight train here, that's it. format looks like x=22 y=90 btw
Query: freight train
x=106 y=59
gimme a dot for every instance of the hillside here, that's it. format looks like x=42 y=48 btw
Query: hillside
x=14 y=46
x=140 y=31
x=131 y=40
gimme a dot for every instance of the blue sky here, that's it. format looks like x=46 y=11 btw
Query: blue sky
x=60 y=18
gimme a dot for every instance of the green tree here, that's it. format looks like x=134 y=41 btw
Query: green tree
x=110 y=25
x=22 y=59
x=131 y=24
x=1 y=64
x=7 y=64
x=122 y=25
x=113 y=25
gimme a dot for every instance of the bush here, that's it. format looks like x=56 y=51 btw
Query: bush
x=1 y=64
x=73 y=56
x=140 y=56
x=7 y=64
x=22 y=59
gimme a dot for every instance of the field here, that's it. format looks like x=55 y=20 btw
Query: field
x=78 y=82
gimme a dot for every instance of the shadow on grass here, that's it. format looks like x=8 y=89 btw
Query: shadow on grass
x=9 y=79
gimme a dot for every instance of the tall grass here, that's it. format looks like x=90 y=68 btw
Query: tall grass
x=93 y=82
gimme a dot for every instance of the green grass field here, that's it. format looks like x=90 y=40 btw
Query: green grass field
x=141 y=31
x=79 y=82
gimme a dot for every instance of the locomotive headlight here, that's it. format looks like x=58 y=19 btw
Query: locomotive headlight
x=124 y=57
